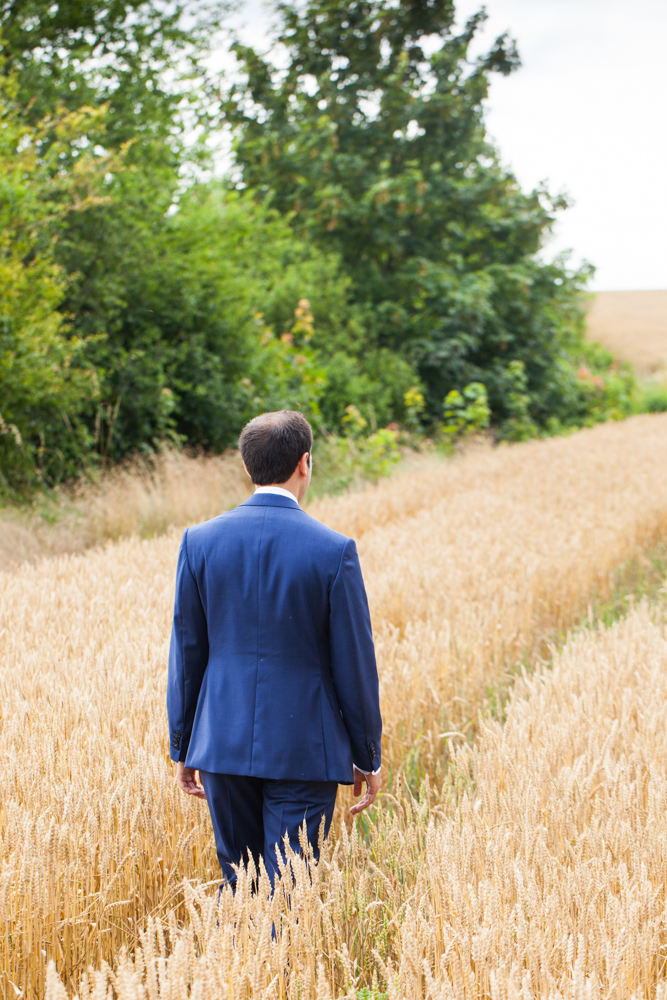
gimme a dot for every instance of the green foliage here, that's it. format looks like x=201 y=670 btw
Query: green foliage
x=518 y=426
x=44 y=381
x=653 y=398
x=197 y=308
x=142 y=59
x=377 y=150
x=610 y=395
x=371 y=993
x=339 y=462
x=467 y=412
x=415 y=405
x=87 y=81
x=375 y=381
x=354 y=422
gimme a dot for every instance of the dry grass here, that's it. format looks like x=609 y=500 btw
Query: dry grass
x=470 y=566
x=141 y=498
x=632 y=325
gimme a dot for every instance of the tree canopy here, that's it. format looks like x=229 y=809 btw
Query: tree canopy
x=141 y=58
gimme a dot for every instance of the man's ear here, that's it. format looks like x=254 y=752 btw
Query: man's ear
x=246 y=471
x=304 y=463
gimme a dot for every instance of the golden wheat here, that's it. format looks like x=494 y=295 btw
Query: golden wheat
x=540 y=872
x=470 y=565
x=479 y=562
x=632 y=325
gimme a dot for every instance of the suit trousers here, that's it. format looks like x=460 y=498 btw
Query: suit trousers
x=252 y=815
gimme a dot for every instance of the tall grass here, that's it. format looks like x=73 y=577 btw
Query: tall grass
x=142 y=498
x=146 y=496
x=471 y=567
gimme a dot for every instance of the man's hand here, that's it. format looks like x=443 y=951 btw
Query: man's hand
x=373 y=782
x=186 y=779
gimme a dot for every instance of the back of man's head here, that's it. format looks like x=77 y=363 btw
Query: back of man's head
x=272 y=444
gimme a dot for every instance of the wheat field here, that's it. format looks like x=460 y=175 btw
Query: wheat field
x=517 y=857
x=632 y=325
x=537 y=871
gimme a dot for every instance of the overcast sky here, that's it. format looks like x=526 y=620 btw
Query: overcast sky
x=587 y=112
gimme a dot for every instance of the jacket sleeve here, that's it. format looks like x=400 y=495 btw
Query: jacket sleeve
x=353 y=664
x=188 y=656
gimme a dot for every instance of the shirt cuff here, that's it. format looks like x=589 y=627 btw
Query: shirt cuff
x=369 y=772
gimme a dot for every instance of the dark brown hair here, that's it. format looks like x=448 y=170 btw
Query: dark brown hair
x=272 y=444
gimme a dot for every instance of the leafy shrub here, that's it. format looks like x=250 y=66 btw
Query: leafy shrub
x=415 y=404
x=653 y=398
x=519 y=426
x=466 y=412
x=45 y=382
x=608 y=395
x=350 y=265
x=340 y=462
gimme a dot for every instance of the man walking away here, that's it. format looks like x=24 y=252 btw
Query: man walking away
x=273 y=688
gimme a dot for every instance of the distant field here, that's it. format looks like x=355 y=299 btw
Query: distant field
x=632 y=325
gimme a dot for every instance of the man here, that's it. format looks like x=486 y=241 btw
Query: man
x=273 y=688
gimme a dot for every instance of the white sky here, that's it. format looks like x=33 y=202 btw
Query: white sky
x=587 y=112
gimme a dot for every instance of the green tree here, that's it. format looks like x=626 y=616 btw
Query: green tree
x=45 y=383
x=375 y=146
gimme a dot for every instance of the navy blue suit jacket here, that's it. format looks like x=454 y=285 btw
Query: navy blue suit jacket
x=272 y=667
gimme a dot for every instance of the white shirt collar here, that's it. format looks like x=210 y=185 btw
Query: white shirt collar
x=276 y=489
